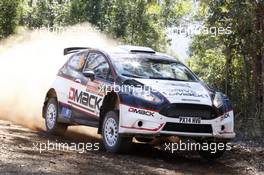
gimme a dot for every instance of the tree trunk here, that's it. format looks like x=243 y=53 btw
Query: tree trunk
x=258 y=71
x=228 y=66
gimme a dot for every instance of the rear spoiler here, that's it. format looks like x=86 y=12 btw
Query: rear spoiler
x=70 y=50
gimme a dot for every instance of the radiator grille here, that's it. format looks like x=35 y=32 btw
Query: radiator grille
x=195 y=128
x=189 y=110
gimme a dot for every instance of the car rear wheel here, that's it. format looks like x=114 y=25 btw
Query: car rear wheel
x=51 y=117
x=113 y=141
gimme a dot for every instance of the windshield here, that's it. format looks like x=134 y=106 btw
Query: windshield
x=152 y=69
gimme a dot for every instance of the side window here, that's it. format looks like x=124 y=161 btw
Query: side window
x=77 y=62
x=99 y=65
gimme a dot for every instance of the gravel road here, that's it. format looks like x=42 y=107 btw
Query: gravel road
x=20 y=154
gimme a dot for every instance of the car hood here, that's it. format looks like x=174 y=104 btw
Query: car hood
x=179 y=91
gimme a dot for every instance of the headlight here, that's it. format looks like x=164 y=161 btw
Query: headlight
x=146 y=95
x=218 y=100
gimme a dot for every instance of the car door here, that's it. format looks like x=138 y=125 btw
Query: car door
x=70 y=79
x=85 y=96
x=103 y=76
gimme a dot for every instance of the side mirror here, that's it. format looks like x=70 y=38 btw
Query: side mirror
x=89 y=74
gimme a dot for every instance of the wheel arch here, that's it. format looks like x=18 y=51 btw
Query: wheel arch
x=111 y=102
x=50 y=94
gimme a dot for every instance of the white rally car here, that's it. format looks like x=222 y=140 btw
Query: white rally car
x=135 y=92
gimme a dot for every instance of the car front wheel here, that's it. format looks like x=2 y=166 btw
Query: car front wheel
x=113 y=141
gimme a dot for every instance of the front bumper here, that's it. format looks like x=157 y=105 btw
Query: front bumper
x=139 y=122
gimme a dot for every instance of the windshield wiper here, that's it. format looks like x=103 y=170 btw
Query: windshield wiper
x=167 y=78
x=130 y=75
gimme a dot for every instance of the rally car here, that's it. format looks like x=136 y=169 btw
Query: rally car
x=135 y=92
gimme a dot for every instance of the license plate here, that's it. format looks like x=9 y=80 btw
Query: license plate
x=192 y=120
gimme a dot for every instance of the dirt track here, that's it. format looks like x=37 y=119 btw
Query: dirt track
x=19 y=156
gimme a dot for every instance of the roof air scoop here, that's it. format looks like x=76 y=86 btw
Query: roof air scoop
x=137 y=49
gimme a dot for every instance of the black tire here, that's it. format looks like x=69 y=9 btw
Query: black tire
x=116 y=143
x=212 y=154
x=52 y=125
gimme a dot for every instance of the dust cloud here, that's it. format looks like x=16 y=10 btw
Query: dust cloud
x=29 y=62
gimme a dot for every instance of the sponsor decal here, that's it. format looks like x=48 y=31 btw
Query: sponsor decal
x=178 y=84
x=93 y=87
x=185 y=92
x=141 y=111
x=194 y=100
x=66 y=113
x=85 y=98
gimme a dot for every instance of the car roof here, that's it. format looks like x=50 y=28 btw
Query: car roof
x=138 y=52
x=127 y=51
x=141 y=56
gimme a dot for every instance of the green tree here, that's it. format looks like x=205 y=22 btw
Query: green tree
x=137 y=22
x=8 y=17
x=242 y=50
